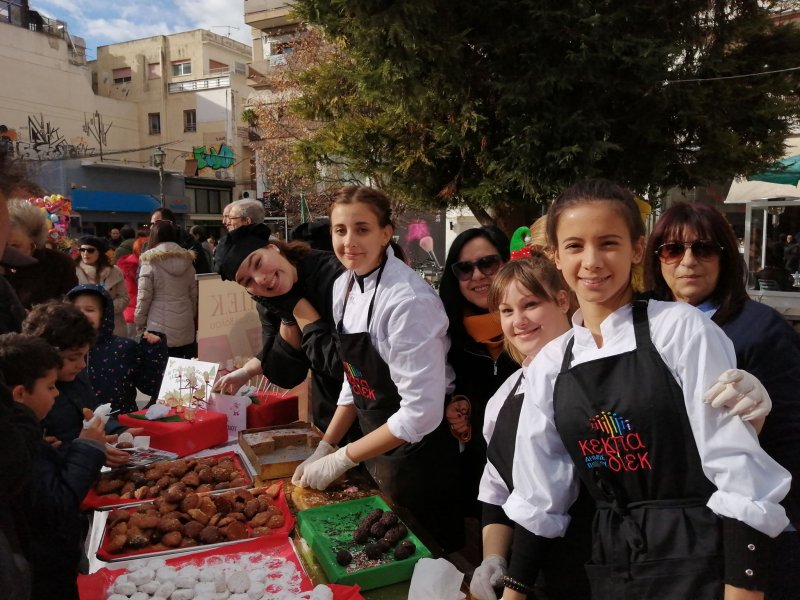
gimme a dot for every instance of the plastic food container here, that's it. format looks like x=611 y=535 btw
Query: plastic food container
x=328 y=529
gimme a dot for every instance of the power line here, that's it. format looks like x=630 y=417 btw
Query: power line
x=758 y=74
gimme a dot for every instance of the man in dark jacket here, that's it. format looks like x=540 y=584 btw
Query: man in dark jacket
x=61 y=477
x=201 y=264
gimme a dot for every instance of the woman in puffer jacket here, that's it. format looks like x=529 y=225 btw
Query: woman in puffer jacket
x=167 y=300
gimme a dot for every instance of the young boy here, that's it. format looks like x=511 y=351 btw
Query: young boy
x=61 y=477
x=64 y=327
x=118 y=366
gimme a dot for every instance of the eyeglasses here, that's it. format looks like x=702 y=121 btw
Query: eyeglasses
x=701 y=250
x=231 y=218
x=88 y=250
x=487 y=265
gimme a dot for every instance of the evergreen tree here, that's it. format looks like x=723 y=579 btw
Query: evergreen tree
x=502 y=104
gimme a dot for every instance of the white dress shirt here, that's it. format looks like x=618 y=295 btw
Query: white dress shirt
x=409 y=331
x=749 y=483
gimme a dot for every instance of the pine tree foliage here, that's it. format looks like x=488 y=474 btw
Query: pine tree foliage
x=502 y=104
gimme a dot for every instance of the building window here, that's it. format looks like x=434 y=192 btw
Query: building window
x=122 y=75
x=154 y=70
x=183 y=67
x=154 y=123
x=215 y=67
x=210 y=201
x=190 y=120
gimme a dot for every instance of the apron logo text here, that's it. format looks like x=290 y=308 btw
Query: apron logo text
x=622 y=450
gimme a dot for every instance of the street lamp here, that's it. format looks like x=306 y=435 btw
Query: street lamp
x=158 y=157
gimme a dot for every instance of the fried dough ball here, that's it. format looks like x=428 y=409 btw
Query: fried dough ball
x=207 y=506
x=344 y=558
x=172 y=539
x=260 y=520
x=136 y=539
x=206 y=475
x=238 y=482
x=117 y=543
x=191 y=500
x=251 y=508
x=193 y=529
x=395 y=534
x=361 y=534
x=169 y=525
x=117 y=515
x=199 y=515
x=210 y=535
x=109 y=486
x=273 y=491
x=235 y=531
x=276 y=521
x=191 y=479
x=377 y=530
x=222 y=503
x=374 y=551
x=143 y=521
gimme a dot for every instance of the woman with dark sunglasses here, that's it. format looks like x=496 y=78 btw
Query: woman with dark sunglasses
x=477 y=356
x=92 y=265
x=692 y=256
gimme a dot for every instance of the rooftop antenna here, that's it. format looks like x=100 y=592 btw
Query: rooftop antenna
x=228 y=27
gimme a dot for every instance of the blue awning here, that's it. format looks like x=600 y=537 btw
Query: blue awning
x=94 y=201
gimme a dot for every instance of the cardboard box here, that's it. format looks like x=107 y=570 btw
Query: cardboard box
x=276 y=451
x=180 y=436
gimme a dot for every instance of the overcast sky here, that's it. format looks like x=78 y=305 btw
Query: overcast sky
x=102 y=22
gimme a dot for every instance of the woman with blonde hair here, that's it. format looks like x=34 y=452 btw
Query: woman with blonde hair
x=53 y=275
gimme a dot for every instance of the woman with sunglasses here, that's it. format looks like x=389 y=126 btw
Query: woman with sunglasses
x=693 y=256
x=92 y=266
x=477 y=355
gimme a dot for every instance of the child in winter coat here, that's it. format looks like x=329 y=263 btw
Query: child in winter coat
x=61 y=477
x=118 y=366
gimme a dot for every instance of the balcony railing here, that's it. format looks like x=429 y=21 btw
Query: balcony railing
x=200 y=84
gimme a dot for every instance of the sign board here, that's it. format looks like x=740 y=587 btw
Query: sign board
x=229 y=329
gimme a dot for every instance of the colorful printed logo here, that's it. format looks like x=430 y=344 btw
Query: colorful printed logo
x=617 y=448
x=358 y=384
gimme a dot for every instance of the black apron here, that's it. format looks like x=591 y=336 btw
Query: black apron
x=623 y=420
x=562 y=575
x=420 y=477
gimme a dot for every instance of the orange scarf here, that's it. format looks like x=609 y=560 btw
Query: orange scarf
x=486 y=330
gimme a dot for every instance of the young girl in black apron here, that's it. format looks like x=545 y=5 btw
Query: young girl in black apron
x=686 y=499
x=393 y=343
x=532 y=301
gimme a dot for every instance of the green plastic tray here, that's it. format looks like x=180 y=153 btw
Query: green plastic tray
x=328 y=529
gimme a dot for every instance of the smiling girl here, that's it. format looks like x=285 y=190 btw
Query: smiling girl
x=686 y=499
x=293 y=287
x=393 y=343
x=533 y=301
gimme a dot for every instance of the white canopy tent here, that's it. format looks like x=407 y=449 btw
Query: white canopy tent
x=745 y=191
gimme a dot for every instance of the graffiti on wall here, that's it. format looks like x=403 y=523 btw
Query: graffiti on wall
x=212 y=159
x=45 y=141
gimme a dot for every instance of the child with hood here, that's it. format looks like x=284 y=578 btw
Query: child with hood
x=118 y=366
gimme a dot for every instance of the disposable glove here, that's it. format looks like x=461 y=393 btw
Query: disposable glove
x=320 y=474
x=741 y=393
x=488 y=578
x=324 y=449
x=231 y=382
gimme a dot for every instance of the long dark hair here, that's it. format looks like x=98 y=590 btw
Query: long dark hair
x=454 y=302
x=162 y=231
x=708 y=223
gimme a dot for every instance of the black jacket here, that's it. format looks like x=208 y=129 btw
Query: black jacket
x=20 y=436
x=286 y=366
x=62 y=478
x=478 y=377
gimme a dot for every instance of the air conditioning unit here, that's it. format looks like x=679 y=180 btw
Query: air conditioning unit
x=248 y=195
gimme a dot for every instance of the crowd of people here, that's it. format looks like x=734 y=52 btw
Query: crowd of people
x=599 y=442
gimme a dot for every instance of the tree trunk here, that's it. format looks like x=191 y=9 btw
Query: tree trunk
x=507 y=216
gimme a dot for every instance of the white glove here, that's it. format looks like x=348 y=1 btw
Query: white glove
x=325 y=471
x=488 y=578
x=741 y=393
x=231 y=382
x=322 y=450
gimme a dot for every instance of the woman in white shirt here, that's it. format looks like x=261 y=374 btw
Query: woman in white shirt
x=393 y=343
x=686 y=499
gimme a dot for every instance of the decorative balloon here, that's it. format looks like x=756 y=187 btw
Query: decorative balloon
x=57 y=210
x=426 y=243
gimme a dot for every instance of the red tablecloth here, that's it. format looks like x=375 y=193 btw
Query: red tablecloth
x=182 y=437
